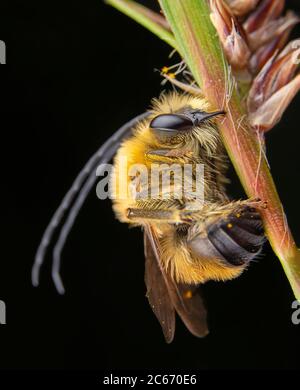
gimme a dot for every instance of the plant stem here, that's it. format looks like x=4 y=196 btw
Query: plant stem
x=201 y=49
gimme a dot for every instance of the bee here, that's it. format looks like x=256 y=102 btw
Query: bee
x=188 y=239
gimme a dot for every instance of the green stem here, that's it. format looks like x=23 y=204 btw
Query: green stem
x=199 y=43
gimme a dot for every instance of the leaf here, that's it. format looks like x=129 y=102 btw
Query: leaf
x=154 y=22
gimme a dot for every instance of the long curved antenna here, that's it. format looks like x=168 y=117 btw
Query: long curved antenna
x=67 y=226
x=80 y=189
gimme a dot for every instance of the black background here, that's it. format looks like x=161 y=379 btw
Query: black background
x=75 y=72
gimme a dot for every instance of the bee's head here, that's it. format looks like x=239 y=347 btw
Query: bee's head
x=168 y=127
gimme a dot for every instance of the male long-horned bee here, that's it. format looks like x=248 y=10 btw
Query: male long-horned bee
x=188 y=239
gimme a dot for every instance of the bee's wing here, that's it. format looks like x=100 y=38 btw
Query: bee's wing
x=184 y=298
x=190 y=307
x=157 y=291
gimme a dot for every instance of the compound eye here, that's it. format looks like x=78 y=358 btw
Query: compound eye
x=171 y=123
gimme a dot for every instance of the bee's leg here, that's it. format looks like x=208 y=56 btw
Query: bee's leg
x=235 y=237
x=181 y=214
x=160 y=215
x=189 y=88
x=167 y=155
x=216 y=210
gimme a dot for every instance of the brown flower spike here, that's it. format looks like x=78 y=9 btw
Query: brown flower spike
x=241 y=7
x=231 y=33
x=255 y=43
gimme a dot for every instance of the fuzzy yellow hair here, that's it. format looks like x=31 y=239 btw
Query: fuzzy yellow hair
x=205 y=147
